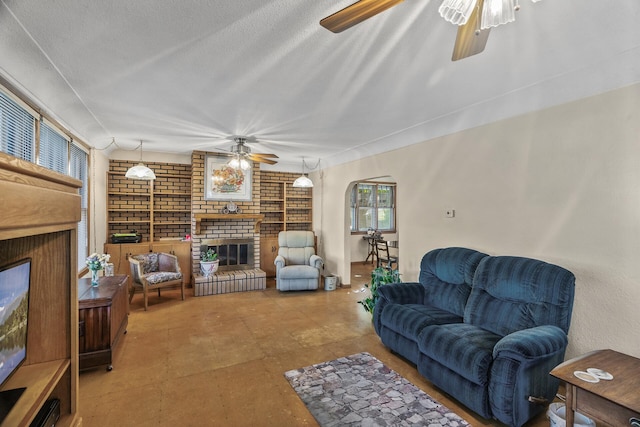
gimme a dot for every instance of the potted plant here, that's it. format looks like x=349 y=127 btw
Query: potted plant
x=379 y=276
x=209 y=262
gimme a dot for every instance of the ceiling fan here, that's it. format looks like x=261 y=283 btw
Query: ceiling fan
x=473 y=17
x=241 y=151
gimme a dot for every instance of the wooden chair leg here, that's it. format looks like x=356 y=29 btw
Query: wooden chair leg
x=146 y=298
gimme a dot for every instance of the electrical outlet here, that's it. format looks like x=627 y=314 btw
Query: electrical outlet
x=450 y=213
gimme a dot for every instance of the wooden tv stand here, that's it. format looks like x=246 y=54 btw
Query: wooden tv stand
x=103 y=314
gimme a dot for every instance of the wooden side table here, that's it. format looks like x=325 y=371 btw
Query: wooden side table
x=613 y=401
x=103 y=317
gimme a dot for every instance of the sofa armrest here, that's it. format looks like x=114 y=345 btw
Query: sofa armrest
x=316 y=261
x=522 y=361
x=402 y=293
x=532 y=343
x=396 y=293
x=279 y=261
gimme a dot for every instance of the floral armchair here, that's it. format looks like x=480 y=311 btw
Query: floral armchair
x=154 y=271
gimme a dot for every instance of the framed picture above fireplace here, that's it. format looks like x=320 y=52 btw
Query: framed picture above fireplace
x=222 y=182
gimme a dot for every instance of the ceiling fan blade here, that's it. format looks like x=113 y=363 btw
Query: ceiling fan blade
x=223 y=154
x=470 y=40
x=265 y=155
x=356 y=13
x=261 y=160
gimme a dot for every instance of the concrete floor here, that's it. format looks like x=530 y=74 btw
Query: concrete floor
x=219 y=360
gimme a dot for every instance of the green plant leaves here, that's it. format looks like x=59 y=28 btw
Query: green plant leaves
x=379 y=276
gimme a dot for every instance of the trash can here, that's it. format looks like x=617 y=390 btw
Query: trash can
x=557 y=417
x=330 y=282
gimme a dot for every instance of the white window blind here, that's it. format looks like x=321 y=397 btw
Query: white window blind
x=54 y=149
x=17 y=129
x=79 y=168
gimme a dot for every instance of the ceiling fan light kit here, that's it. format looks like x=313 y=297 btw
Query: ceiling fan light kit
x=140 y=171
x=474 y=19
x=239 y=162
x=494 y=12
x=241 y=155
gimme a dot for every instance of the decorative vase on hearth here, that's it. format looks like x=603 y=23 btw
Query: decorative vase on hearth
x=209 y=267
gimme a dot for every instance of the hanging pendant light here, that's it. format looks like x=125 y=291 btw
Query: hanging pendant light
x=303 y=181
x=140 y=171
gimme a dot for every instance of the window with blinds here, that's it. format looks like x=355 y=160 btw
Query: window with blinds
x=54 y=151
x=17 y=129
x=373 y=206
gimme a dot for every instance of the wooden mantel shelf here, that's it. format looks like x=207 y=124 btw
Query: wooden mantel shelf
x=226 y=217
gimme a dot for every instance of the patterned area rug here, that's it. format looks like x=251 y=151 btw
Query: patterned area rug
x=359 y=390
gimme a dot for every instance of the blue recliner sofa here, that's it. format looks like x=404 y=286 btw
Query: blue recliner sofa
x=485 y=329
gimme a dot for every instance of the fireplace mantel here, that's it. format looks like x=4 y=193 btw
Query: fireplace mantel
x=226 y=217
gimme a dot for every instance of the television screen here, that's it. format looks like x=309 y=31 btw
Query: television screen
x=14 y=307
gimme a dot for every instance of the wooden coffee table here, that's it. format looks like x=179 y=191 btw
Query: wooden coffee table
x=614 y=401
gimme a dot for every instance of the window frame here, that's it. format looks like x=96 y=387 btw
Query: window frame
x=355 y=205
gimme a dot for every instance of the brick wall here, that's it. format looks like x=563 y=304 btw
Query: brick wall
x=131 y=210
x=178 y=194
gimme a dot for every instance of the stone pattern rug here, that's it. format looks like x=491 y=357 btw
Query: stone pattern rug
x=359 y=390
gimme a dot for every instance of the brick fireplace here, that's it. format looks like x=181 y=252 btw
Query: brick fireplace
x=240 y=270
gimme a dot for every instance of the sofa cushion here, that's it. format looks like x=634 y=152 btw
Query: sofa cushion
x=409 y=319
x=447 y=275
x=465 y=349
x=513 y=293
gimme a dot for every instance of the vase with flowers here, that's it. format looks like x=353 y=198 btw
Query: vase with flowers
x=95 y=263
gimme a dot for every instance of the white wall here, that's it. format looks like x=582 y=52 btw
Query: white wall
x=561 y=185
x=98 y=200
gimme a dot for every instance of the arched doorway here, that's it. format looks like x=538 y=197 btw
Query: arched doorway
x=370 y=207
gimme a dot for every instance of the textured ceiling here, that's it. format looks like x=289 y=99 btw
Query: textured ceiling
x=186 y=75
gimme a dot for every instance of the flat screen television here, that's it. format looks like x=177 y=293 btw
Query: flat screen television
x=15 y=279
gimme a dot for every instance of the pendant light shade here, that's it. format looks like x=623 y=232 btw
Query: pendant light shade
x=302 y=181
x=140 y=171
